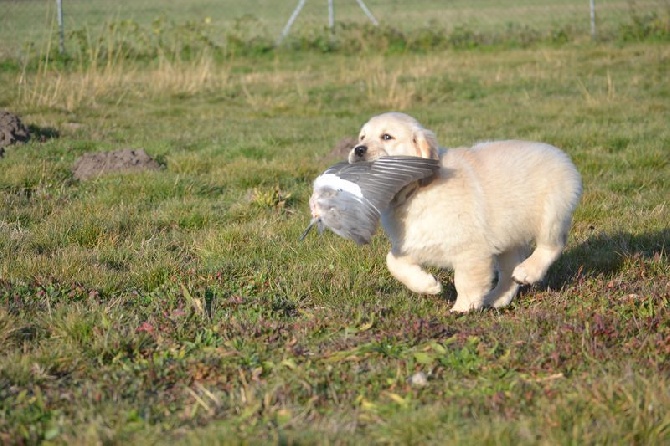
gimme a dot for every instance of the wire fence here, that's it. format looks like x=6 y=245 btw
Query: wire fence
x=38 y=23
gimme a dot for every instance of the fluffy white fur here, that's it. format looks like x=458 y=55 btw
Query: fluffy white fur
x=481 y=214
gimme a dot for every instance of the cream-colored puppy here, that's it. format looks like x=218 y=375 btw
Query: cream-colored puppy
x=481 y=213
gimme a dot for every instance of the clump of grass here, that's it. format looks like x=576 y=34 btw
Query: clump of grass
x=273 y=198
x=652 y=26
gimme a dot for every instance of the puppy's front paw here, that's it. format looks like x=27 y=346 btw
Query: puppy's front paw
x=435 y=288
x=428 y=286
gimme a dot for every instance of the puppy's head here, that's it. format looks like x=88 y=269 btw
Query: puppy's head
x=393 y=134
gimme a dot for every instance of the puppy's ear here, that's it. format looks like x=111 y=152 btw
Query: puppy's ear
x=425 y=143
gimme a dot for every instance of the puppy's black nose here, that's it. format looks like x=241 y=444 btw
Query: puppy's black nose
x=360 y=150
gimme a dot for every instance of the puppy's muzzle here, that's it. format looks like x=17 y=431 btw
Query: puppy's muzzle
x=360 y=151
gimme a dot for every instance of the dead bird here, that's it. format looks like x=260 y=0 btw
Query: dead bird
x=349 y=198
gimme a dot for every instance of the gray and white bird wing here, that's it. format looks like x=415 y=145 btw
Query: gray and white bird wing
x=349 y=198
x=381 y=180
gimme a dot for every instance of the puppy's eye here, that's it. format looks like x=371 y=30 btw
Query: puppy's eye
x=387 y=137
x=362 y=137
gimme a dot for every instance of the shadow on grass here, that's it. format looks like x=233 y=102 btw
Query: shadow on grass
x=43 y=133
x=605 y=254
x=600 y=255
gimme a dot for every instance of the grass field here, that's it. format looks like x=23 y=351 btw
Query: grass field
x=24 y=24
x=178 y=305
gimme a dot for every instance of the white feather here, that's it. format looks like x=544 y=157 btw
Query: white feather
x=329 y=180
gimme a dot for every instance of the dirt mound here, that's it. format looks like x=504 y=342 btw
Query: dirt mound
x=12 y=130
x=127 y=160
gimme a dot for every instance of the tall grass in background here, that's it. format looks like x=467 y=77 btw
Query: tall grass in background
x=187 y=57
x=116 y=60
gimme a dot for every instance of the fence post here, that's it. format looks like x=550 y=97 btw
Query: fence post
x=593 y=19
x=61 y=31
x=289 y=24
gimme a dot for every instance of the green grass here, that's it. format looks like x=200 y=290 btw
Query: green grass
x=32 y=27
x=178 y=305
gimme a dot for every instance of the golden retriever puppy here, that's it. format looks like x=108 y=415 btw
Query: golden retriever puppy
x=484 y=209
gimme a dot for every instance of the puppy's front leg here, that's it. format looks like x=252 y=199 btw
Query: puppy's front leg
x=407 y=271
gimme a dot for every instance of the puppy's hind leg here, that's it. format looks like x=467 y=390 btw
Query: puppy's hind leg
x=550 y=242
x=473 y=280
x=506 y=288
x=407 y=271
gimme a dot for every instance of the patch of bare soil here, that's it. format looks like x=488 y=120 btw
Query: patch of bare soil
x=12 y=130
x=92 y=165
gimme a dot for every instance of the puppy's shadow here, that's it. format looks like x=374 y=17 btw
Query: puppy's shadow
x=604 y=254
x=601 y=254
